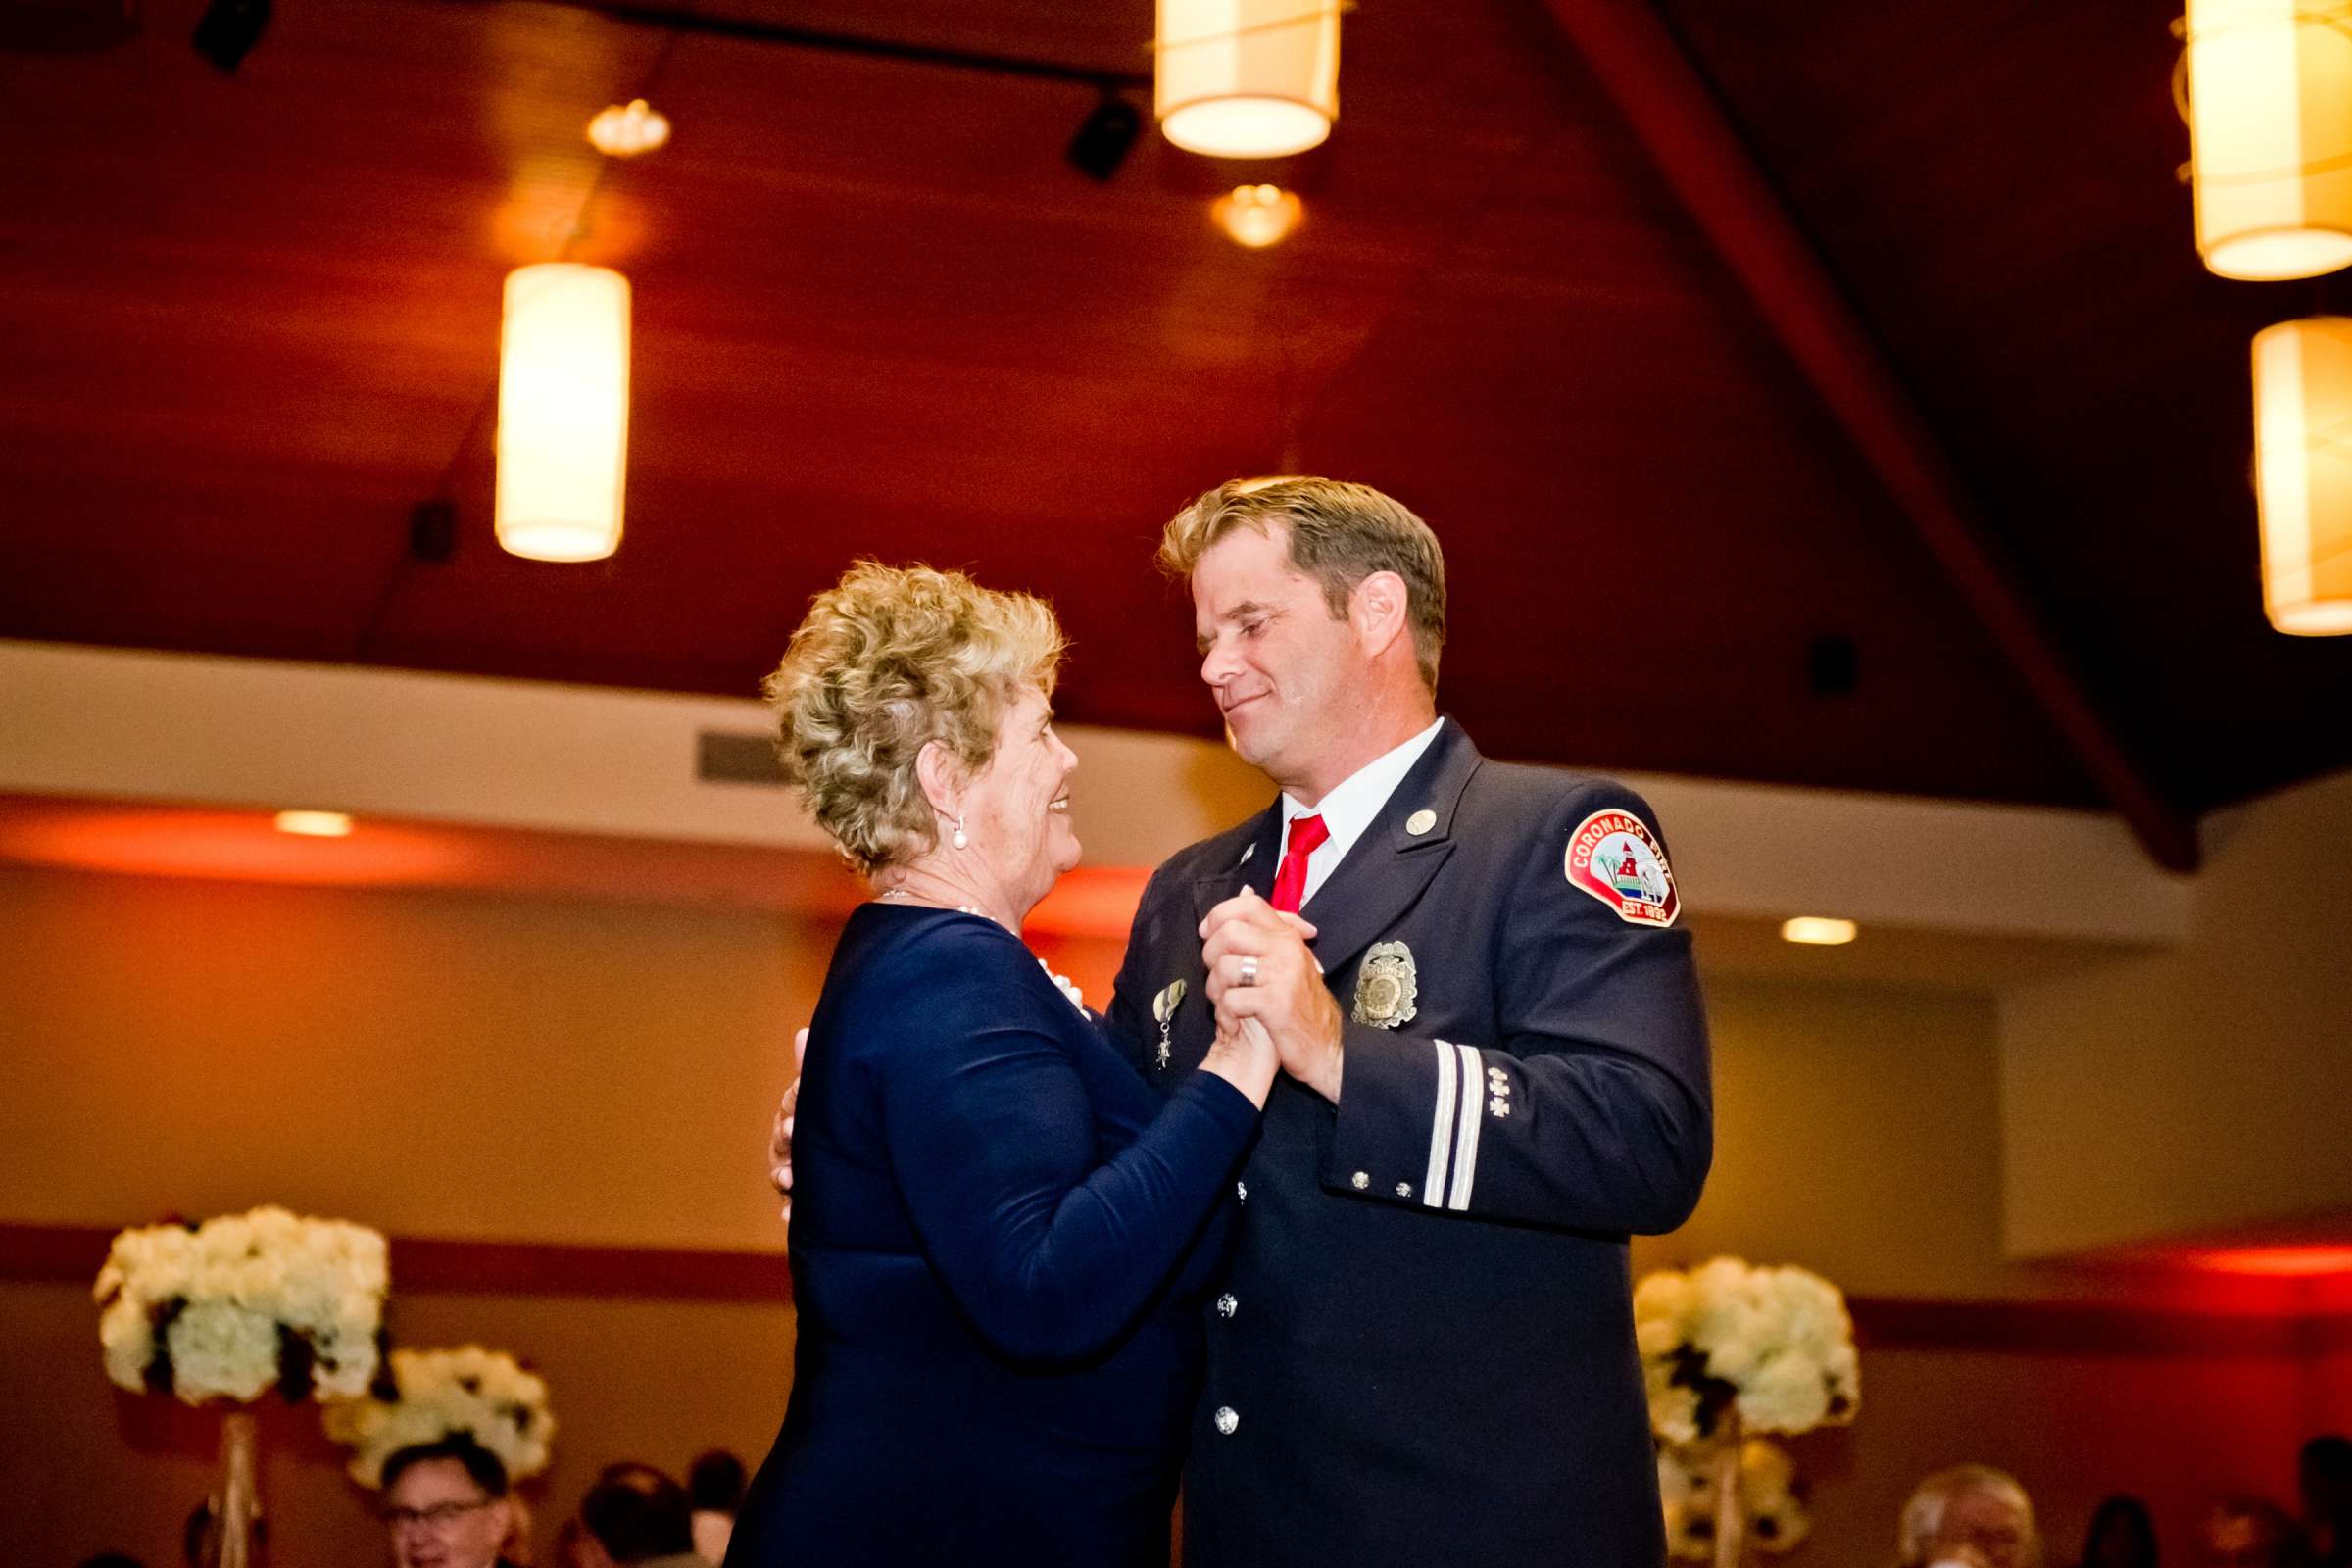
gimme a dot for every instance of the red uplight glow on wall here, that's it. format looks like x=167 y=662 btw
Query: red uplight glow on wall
x=2297 y=1263
x=1094 y=901
x=227 y=846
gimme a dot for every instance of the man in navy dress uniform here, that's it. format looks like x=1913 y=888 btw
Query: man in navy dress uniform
x=1496 y=1069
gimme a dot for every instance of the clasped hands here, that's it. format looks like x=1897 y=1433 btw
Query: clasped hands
x=1261 y=975
x=1285 y=1008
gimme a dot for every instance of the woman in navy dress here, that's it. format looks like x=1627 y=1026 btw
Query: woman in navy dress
x=1000 y=1235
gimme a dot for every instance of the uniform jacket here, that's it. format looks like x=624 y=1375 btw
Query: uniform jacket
x=1425 y=1352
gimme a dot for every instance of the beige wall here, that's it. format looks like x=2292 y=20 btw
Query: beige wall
x=1830 y=1101
x=435 y=1064
x=2202 y=1088
x=453 y=1065
x=1858 y=1134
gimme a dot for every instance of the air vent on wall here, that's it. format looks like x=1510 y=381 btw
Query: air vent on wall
x=729 y=756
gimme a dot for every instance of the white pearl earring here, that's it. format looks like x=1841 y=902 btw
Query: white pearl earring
x=958 y=839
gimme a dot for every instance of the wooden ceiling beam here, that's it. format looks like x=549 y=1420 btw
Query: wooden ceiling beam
x=1670 y=106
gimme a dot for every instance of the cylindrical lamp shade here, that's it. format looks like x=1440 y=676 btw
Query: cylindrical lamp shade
x=2270 y=91
x=2303 y=473
x=562 y=412
x=1248 y=79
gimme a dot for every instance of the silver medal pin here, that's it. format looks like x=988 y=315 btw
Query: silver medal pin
x=1163 y=1009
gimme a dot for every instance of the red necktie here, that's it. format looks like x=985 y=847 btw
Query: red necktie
x=1289 y=883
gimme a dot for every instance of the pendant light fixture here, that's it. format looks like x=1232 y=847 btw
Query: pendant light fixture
x=562 y=412
x=2270 y=117
x=2303 y=473
x=1247 y=79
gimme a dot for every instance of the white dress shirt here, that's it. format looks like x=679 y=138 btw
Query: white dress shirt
x=1351 y=806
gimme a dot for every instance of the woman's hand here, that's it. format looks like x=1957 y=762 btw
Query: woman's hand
x=779 y=1136
x=1245 y=1057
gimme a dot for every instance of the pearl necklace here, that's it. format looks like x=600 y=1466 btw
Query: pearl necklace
x=960 y=908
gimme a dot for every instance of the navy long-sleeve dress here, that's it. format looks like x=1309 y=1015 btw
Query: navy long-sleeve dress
x=1000 y=1239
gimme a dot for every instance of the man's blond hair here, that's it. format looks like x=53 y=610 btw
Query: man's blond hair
x=1339 y=535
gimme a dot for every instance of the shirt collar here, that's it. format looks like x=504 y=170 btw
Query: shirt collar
x=1356 y=799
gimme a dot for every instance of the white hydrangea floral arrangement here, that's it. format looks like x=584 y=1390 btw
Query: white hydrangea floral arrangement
x=1773 y=1345
x=1775 y=1514
x=485 y=1395
x=244 y=1302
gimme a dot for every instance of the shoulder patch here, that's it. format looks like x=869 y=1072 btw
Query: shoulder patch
x=1615 y=858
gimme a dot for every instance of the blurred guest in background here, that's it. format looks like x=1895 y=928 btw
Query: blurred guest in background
x=2121 y=1536
x=714 y=1482
x=636 y=1517
x=445 y=1505
x=2324 y=1471
x=1970 y=1516
x=2253 y=1533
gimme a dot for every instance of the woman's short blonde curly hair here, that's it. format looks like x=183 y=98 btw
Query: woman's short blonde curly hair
x=887 y=661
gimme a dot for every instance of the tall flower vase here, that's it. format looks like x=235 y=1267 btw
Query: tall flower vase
x=234 y=1501
x=1730 y=1518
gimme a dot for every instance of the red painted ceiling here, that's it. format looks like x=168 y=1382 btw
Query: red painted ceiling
x=246 y=323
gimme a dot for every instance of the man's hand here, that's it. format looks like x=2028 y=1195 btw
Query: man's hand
x=779 y=1137
x=1247 y=935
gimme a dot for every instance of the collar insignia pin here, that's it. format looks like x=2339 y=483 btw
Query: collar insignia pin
x=1420 y=822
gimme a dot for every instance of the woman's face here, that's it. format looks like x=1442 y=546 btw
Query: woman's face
x=1016 y=812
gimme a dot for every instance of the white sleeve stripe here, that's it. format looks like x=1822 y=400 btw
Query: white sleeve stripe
x=1465 y=1141
x=1441 y=1129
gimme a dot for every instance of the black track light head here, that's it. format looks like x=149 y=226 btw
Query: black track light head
x=1105 y=137
x=229 y=30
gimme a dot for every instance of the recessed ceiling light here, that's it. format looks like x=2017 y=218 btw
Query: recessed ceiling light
x=624 y=130
x=1819 y=931
x=1260 y=215
x=315 y=824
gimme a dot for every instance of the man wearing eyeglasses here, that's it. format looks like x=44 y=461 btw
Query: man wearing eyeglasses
x=445 y=1505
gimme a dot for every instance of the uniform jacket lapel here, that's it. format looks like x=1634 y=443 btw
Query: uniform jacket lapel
x=1390 y=866
x=1251 y=866
x=1254 y=870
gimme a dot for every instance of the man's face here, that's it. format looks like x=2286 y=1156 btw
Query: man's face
x=1285 y=672
x=439 y=1518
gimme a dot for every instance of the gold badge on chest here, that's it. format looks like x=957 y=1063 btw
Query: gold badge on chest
x=1386 y=986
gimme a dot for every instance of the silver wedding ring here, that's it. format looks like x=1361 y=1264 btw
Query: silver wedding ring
x=1248 y=971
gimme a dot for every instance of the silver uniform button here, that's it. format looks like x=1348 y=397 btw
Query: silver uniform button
x=1226 y=1306
x=1360 y=1181
x=1227 y=1419
x=1404 y=1189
